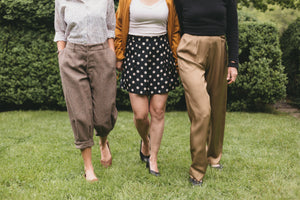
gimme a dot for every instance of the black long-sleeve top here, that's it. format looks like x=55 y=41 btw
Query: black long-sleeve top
x=211 y=18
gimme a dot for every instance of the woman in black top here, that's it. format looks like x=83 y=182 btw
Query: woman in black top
x=206 y=67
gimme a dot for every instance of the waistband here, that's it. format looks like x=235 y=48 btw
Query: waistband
x=141 y=36
x=205 y=36
x=87 y=47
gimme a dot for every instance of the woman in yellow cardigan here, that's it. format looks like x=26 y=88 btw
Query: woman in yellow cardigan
x=147 y=36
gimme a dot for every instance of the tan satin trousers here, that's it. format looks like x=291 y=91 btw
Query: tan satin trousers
x=202 y=66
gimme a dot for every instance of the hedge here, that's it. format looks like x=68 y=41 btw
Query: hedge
x=29 y=73
x=34 y=14
x=290 y=45
x=261 y=78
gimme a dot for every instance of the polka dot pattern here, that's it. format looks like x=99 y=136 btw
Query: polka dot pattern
x=149 y=66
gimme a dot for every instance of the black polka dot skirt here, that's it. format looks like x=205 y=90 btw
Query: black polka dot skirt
x=149 y=66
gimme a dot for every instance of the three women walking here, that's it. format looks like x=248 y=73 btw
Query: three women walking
x=147 y=34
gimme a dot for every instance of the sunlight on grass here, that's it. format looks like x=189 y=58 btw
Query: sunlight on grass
x=39 y=160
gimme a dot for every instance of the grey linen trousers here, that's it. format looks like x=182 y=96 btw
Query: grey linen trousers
x=89 y=83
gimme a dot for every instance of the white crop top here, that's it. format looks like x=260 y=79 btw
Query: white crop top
x=148 y=20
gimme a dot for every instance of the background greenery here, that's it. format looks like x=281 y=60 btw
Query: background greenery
x=261 y=77
x=290 y=44
x=39 y=160
x=264 y=4
x=29 y=72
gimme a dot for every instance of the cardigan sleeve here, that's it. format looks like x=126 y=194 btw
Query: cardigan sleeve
x=175 y=34
x=120 y=50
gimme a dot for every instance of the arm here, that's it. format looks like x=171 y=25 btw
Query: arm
x=178 y=7
x=111 y=24
x=110 y=19
x=60 y=27
x=176 y=36
x=59 y=24
x=232 y=35
x=118 y=39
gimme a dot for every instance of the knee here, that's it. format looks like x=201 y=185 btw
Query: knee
x=203 y=113
x=140 y=117
x=157 y=113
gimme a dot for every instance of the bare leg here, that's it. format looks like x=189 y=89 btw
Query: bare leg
x=157 y=112
x=88 y=166
x=140 y=107
x=106 y=158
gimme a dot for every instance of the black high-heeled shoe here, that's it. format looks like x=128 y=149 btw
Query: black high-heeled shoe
x=151 y=171
x=143 y=157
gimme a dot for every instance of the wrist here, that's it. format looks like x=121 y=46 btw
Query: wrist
x=59 y=51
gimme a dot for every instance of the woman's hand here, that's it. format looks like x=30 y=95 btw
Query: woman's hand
x=119 y=65
x=60 y=46
x=232 y=74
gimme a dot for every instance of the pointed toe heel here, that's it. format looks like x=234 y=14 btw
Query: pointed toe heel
x=151 y=171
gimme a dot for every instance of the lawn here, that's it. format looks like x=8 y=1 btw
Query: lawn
x=38 y=160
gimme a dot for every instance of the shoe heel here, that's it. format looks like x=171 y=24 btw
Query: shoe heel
x=142 y=156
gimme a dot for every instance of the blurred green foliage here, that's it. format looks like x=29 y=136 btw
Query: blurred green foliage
x=263 y=4
x=290 y=45
x=261 y=77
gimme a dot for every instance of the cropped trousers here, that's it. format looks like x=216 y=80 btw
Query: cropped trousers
x=202 y=62
x=89 y=83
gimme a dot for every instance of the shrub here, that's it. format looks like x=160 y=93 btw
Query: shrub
x=290 y=44
x=246 y=17
x=176 y=100
x=261 y=77
x=29 y=72
x=34 y=14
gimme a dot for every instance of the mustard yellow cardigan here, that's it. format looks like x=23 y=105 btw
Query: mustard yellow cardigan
x=122 y=28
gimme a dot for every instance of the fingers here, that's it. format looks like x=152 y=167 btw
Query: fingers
x=119 y=66
x=232 y=75
x=228 y=76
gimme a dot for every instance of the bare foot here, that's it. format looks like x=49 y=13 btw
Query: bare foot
x=90 y=176
x=106 y=158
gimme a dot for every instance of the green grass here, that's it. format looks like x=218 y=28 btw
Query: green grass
x=38 y=160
